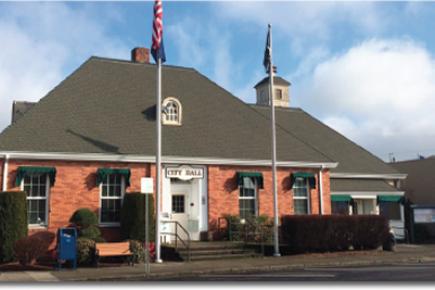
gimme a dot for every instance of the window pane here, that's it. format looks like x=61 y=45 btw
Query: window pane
x=340 y=207
x=390 y=210
x=247 y=208
x=110 y=210
x=178 y=204
x=301 y=206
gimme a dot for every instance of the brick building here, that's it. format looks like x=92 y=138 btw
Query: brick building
x=92 y=139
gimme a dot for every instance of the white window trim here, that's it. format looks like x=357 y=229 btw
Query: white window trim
x=307 y=198
x=178 y=122
x=47 y=204
x=110 y=224
x=255 y=197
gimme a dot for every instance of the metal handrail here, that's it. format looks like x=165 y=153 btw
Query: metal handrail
x=186 y=244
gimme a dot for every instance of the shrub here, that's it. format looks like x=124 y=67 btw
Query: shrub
x=334 y=232
x=13 y=222
x=253 y=229
x=86 y=222
x=85 y=251
x=133 y=217
x=138 y=250
x=29 y=249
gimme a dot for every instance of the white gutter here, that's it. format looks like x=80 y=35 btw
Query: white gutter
x=322 y=210
x=5 y=173
x=166 y=159
x=368 y=176
x=364 y=193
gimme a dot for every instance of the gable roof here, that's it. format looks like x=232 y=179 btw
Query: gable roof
x=351 y=157
x=108 y=106
x=419 y=186
x=276 y=80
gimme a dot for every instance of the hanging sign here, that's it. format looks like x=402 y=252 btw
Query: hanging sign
x=184 y=172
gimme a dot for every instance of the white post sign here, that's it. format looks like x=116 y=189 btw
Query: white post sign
x=146 y=185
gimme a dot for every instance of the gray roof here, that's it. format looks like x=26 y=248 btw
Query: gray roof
x=351 y=157
x=360 y=185
x=20 y=108
x=419 y=186
x=276 y=80
x=108 y=106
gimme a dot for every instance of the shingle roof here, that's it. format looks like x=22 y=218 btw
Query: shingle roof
x=276 y=80
x=108 y=106
x=419 y=186
x=351 y=157
x=360 y=185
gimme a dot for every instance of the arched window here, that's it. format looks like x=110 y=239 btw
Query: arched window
x=172 y=111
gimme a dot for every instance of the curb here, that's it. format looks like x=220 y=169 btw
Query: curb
x=265 y=268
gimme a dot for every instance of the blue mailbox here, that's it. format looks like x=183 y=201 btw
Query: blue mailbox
x=66 y=246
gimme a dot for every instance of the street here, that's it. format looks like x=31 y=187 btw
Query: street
x=405 y=272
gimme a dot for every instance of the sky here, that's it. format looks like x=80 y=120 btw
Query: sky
x=366 y=69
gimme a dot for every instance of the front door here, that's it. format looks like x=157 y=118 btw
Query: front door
x=180 y=209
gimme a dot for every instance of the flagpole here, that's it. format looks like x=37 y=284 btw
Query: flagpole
x=275 y=189
x=158 y=156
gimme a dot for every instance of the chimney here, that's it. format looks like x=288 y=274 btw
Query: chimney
x=140 y=55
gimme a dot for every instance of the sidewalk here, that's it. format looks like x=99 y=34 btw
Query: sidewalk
x=404 y=254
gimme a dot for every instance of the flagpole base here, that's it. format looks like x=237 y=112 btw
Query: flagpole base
x=159 y=261
x=276 y=254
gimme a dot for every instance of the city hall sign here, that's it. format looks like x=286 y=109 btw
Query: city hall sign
x=184 y=172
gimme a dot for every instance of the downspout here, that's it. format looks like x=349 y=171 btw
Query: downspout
x=5 y=173
x=322 y=211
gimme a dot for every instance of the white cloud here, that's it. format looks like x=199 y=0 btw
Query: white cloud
x=43 y=42
x=380 y=93
x=307 y=22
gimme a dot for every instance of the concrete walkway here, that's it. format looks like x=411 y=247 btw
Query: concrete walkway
x=404 y=254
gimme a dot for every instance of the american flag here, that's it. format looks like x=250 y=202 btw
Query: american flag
x=157 y=48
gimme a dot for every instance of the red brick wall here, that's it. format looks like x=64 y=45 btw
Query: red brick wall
x=76 y=188
x=223 y=192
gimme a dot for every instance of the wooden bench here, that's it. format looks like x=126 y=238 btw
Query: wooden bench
x=113 y=250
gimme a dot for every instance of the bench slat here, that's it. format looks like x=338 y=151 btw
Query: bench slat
x=113 y=249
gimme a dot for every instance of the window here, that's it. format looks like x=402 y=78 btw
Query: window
x=172 y=111
x=278 y=94
x=37 y=186
x=301 y=196
x=340 y=207
x=364 y=206
x=248 y=198
x=178 y=203
x=390 y=210
x=112 y=192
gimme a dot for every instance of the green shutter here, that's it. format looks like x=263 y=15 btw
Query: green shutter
x=341 y=198
x=34 y=170
x=255 y=175
x=103 y=172
x=389 y=198
x=306 y=175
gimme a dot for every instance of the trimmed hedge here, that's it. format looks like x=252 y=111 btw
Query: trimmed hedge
x=13 y=222
x=334 y=232
x=86 y=222
x=29 y=249
x=133 y=217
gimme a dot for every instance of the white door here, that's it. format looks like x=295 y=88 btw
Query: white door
x=180 y=209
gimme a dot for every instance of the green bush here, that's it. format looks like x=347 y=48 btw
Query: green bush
x=133 y=217
x=251 y=229
x=86 y=222
x=84 y=218
x=13 y=222
x=85 y=251
x=310 y=233
x=29 y=249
